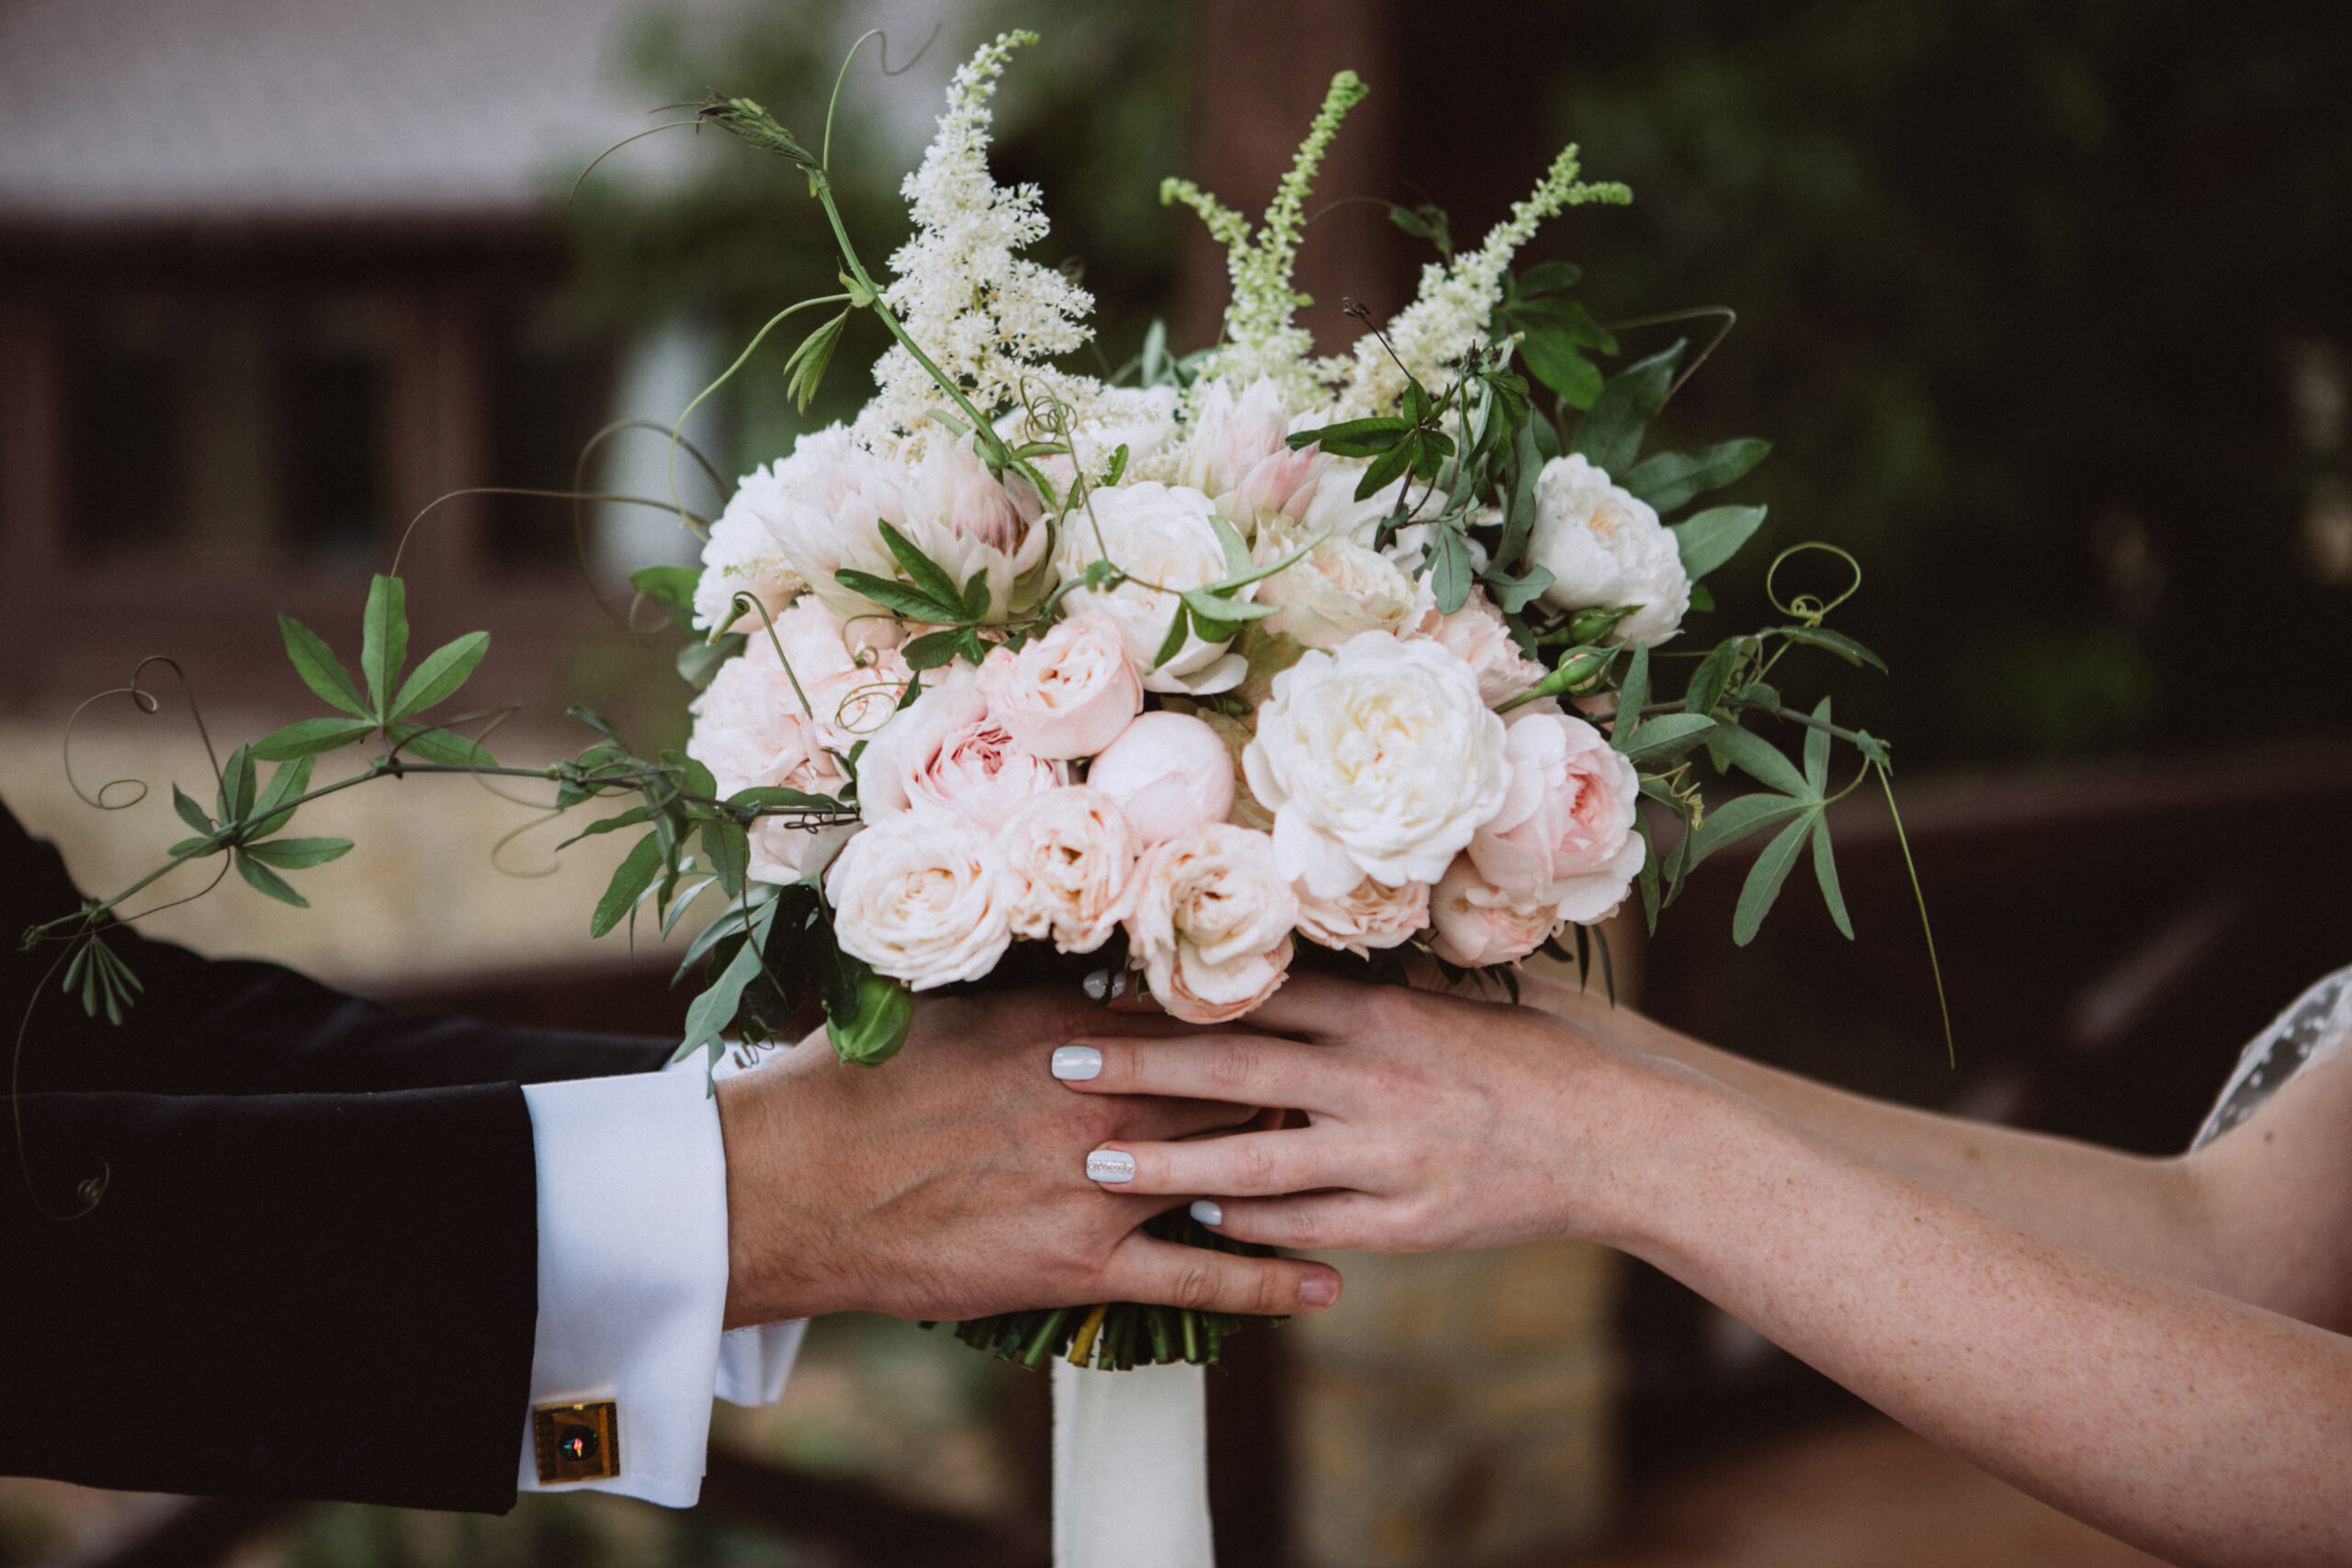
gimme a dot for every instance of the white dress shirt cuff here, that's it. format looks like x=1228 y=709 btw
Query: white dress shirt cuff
x=632 y=1273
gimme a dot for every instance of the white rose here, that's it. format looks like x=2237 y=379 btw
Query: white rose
x=1211 y=923
x=922 y=898
x=1379 y=761
x=1604 y=547
x=1566 y=834
x=1070 y=858
x=1370 y=914
x=1336 y=590
x=1159 y=534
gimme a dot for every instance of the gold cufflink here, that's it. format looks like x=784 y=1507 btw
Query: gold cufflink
x=577 y=1443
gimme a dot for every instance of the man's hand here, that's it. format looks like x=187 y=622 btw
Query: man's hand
x=949 y=1183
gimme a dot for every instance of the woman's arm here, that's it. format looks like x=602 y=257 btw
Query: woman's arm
x=2204 y=1428
x=2212 y=1218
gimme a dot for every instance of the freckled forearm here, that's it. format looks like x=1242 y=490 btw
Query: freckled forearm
x=2202 y=1429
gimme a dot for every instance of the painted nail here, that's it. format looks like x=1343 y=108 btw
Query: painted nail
x=1076 y=1062
x=1208 y=1211
x=1317 y=1290
x=1109 y=1165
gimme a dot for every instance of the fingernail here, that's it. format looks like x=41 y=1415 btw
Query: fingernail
x=1317 y=1290
x=1076 y=1062
x=1109 y=1165
x=1208 y=1211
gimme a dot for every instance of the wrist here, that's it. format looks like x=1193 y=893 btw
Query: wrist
x=776 y=1250
x=1676 y=1144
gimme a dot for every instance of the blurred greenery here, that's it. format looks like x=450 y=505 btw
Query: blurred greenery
x=2018 y=288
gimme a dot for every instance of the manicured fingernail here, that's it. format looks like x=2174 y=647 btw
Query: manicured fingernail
x=1109 y=1165
x=1076 y=1062
x=1317 y=1290
x=1208 y=1211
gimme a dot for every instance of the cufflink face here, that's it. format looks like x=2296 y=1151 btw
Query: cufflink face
x=577 y=1443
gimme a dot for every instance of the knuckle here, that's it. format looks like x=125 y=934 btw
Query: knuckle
x=1253 y=1166
x=1195 y=1286
x=1233 y=1064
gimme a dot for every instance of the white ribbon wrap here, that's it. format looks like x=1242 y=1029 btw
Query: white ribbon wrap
x=1131 y=1471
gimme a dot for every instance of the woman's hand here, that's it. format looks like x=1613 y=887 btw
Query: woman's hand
x=1432 y=1121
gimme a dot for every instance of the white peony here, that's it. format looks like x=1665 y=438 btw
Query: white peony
x=1071 y=859
x=1379 y=761
x=1210 y=924
x=1566 y=834
x=922 y=899
x=744 y=556
x=1473 y=923
x=836 y=495
x=1161 y=535
x=1604 y=547
x=947 y=751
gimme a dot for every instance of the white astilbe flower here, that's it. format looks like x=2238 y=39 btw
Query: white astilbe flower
x=987 y=319
x=1260 y=338
x=1456 y=301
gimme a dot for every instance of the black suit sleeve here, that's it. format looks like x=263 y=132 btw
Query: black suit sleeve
x=265 y=1238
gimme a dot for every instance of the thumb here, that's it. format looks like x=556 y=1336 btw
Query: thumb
x=1144 y=1269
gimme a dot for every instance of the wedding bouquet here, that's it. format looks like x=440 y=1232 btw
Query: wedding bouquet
x=1185 y=672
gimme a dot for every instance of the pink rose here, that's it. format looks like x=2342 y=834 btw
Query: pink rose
x=947 y=750
x=1370 y=914
x=1211 y=923
x=1170 y=773
x=1070 y=693
x=1565 y=837
x=1473 y=923
x=1477 y=632
x=1069 y=859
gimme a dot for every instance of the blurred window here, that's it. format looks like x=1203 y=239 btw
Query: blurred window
x=551 y=390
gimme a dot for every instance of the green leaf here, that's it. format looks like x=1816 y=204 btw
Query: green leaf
x=900 y=598
x=1567 y=318
x=443 y=671
x=976 y=595
x=1702 y=599
x=1386 y=469
x=1633 y=696
x=929 y=577
x=1207 y=604
x=698 y=662
x=267 y=881
x=1519 y=521
x=1839 y=643
x=1759 y=759
x=777 y=794
x=714 y=1010
x=1736 y=819
x=1237 y=549
x=383 y=639
x=672 y=589
x=1609 y=435
x=288 y=782
x=192 y=846
x=930 y=651
x=872 y=1032
x=237 y=786
x=1450 y=573
x=1824 y=871
x=1816 y=751
x=727 y=849
x=634 y=815
x=296 y=854
x=1512 y=595
x=1765 y=878
x=1173 y=643
x=1670 y=479
x=805 y=371
x=1714 y=536
x=320 y=669
x=443 y=746
x=1707 y=683
x=311 y=737
x=1552 y=359
x=1549 y=278
x=190 y=812
x=1354 y=437
x=1666 y=737
x=631 y=877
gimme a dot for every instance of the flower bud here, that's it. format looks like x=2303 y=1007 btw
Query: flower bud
x=1592 y=624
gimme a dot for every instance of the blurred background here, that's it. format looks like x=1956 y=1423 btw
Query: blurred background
x=2044 y=307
